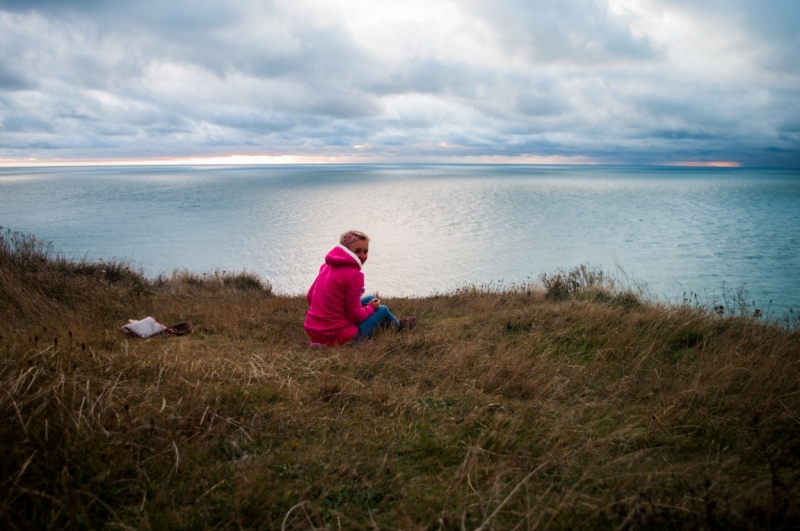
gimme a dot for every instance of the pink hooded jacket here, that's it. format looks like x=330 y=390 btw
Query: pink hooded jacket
x=334 y=299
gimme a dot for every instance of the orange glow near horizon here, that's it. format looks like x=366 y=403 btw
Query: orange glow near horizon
x=708 y=164
x=575 y=160
x=176 y=161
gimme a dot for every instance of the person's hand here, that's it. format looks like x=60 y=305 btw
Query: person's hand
x=375 y=303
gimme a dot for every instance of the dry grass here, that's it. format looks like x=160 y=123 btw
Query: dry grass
x=516 y=409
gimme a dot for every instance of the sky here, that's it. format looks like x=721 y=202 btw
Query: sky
x=681 y=82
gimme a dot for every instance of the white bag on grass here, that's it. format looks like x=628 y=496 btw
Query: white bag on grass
x=145 y=328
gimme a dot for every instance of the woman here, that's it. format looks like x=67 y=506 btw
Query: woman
x=337 y=312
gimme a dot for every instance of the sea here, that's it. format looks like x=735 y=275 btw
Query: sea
x=726 y=236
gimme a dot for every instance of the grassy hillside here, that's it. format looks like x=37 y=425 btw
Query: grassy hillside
x=569 y=404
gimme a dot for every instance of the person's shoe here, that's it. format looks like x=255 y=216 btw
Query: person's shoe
x=406 y=324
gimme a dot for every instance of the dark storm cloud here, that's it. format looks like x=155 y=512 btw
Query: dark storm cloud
x=14 y=79
x=26 y=124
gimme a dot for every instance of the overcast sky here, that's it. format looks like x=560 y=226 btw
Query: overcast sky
x=605 y=81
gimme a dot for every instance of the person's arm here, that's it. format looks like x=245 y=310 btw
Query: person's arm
x=311 y=291
x=352 y=297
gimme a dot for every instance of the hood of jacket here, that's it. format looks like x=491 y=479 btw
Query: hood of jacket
x=341 y=256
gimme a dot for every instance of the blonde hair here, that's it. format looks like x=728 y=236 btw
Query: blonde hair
x=352 y=236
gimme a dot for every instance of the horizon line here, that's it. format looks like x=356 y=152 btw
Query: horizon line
x=290 y=160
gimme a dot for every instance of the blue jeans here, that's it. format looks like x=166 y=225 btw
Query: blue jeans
x=382 y=316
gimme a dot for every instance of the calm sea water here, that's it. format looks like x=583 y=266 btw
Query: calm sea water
x=433 y=228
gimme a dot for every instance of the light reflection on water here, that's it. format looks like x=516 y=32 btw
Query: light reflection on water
x=433 y=228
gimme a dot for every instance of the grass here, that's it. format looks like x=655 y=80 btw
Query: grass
x=566 y=404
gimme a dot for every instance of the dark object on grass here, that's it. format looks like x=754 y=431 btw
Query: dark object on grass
x=406 y=324
x=180 y=329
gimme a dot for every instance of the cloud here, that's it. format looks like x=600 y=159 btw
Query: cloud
x=14 y=79
x=622 y=81
x=767 y=31
x=583 y=32
x=26 y=124
x=58 y=6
